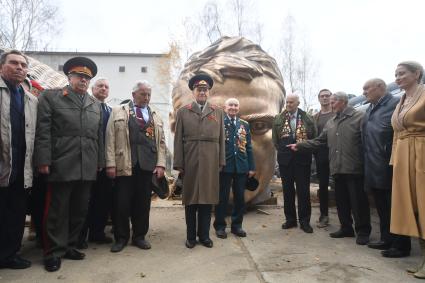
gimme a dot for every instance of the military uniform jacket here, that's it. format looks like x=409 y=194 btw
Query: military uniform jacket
x=69 y=135
x=342 y=134
x=239 y=155
x=282 y=135
x=199 y=149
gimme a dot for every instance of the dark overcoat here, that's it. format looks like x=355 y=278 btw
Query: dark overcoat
x=199 y=149
x=69 y=136
x=377 y=137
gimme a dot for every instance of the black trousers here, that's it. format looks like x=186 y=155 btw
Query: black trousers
x=13 y=200
x=296 y=175
x=37 y=203
x=237 y=182
x=322 y=168
x=203 y=212
x=66 y=209
x=132 y=200
x=382 y=198
x=100 y=206
x=350 y=199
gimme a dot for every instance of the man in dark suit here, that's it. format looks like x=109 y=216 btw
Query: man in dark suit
x=239 y=166
x=377 y=138
x=100 y=204
x=291 y=126
x=69 y=149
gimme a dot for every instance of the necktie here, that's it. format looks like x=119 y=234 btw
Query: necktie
x=293 y=122
x=233 y=122
x=139 y=116
x=202 y=108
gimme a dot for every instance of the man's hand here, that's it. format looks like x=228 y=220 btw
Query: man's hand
x=111 y=172
x=159 y=171
x=44 y=169
x=292 y=146
x=251 y=174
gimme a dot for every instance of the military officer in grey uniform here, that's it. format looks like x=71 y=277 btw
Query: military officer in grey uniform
x=239 y=166
x=69 y=149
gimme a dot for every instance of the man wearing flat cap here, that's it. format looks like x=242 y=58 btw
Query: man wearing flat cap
x=199 y=155
x=69 y=149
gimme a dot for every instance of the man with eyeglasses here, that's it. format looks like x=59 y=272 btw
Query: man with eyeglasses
x=100 y=204
x=69 y=149
x=199 y=155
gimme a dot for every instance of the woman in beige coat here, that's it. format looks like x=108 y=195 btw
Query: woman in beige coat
x=408 y=158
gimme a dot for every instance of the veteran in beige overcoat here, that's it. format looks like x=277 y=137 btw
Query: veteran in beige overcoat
x=199 y=155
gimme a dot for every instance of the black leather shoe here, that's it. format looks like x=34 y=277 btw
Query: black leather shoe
x=142 y=244
x=362 y=240
x=190 y=244
x=101 y=241
x=52 y=264
x=239 y=232
x=207 y=243
x=306 y=228
x=221 y=234
x=289 y=225
x=82 y=245
x=118 y=246
x=15 y=262
x=342 y=234
x=380 y=245
x=74 y=255
x=394 y=253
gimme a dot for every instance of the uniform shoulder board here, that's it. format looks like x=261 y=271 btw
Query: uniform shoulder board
x=125 y=101
x=243 y=121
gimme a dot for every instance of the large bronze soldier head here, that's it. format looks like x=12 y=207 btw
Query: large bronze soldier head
x=243 y=70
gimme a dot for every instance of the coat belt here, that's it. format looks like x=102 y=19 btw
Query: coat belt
x=404 y=135
x=206 y=139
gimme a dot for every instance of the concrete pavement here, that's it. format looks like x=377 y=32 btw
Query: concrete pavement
x=268 y=254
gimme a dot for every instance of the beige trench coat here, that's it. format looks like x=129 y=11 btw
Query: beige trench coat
x=117 y=142
x=199 y=149
x=408 y=159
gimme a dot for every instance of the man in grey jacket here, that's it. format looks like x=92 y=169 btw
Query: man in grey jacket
x=342 y=134
x=18 y=112
x=69 y=149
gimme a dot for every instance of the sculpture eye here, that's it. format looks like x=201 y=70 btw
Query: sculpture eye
x=260 y=127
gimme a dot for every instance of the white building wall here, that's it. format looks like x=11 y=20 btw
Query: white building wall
x=121 y=83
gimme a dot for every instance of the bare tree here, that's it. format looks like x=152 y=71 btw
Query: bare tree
x=210 y=21
x=27 y=24
x=298 y=65
x=239 y=11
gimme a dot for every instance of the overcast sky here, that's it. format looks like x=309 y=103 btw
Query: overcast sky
x=352 y=40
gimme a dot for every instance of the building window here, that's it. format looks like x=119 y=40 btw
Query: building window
x=121 y=69
x=60 y=68
x=144 y=69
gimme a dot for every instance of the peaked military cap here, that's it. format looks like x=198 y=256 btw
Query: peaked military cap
x=201 y=80
x=80 y=65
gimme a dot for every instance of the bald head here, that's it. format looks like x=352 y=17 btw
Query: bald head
x=374 y=89
x=292 y=102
